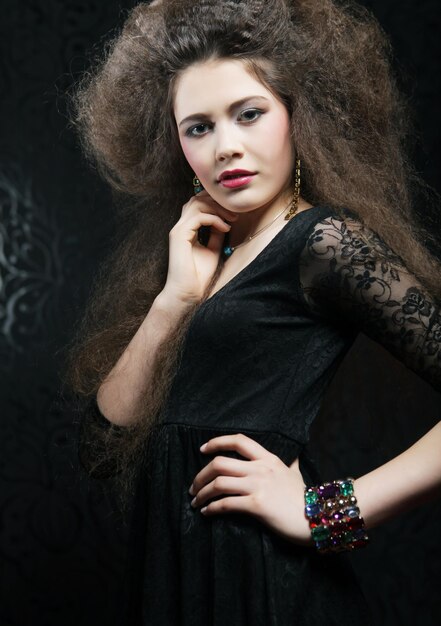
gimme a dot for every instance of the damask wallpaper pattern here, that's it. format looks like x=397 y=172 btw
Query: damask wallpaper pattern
x=62 y=541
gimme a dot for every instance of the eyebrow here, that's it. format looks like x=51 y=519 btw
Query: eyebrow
x=233 y=105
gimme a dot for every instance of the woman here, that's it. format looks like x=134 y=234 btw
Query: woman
x=286 y=118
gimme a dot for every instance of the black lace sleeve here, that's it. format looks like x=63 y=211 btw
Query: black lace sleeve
x=351 y=277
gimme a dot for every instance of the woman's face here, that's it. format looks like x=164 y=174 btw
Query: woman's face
x=228 y=120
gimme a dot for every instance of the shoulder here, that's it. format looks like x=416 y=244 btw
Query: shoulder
x=343 y=237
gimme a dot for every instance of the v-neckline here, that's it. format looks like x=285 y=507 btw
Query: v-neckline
x=259 y=254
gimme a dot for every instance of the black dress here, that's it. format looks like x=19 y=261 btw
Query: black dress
x=257 y=359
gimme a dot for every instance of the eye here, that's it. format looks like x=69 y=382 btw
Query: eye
x=253 y=112
x=193 y=130
x=190 y=131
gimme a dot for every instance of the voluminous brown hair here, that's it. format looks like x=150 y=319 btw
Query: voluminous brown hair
x=329 y=62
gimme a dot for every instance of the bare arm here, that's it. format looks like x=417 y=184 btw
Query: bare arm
x=119 y=394
x=352 y=277
x=410 y=479
x=191 y=266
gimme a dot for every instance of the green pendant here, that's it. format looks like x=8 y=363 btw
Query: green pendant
x=228 y=251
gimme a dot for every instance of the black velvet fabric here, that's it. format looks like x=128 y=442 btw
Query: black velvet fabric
x=257 y=359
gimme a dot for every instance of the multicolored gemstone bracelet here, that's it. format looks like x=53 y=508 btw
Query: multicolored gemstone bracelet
x=334 y=517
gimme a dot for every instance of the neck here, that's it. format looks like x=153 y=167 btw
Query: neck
x=252 y=221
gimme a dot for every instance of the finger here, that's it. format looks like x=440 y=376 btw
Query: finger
x=215 y=240
x=221 y=485
x=206 y=219
x=204 y=202
x=232 y=504
x=247 y=447
x=193 y=224
x=225 y=214
x=220 y=465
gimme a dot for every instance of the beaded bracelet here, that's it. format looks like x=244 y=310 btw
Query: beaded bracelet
x=334 y=517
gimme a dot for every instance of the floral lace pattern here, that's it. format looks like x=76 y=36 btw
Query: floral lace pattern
x=350 y=275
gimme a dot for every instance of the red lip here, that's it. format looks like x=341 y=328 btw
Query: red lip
x=233 y=173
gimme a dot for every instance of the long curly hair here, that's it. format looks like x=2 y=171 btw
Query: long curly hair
x=329 y=62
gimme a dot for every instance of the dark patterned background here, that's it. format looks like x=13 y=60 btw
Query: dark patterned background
x=62 y=543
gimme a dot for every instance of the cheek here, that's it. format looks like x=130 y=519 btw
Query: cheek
x=194 y=157
x=279 y=146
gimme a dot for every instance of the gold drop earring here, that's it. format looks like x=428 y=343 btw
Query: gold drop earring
x=294 y=206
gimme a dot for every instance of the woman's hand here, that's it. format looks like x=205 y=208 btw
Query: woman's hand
x=191 y=264
x=263 y=486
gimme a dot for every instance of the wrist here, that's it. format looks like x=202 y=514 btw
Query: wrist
x=334 y=517
x=306 y=538
x=171 y=305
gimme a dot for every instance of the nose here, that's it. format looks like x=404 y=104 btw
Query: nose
x=228 y=144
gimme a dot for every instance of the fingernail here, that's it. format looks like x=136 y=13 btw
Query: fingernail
x=203 y=447
x=191 y=490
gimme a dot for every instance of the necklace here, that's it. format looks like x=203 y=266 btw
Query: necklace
x=293 y=206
